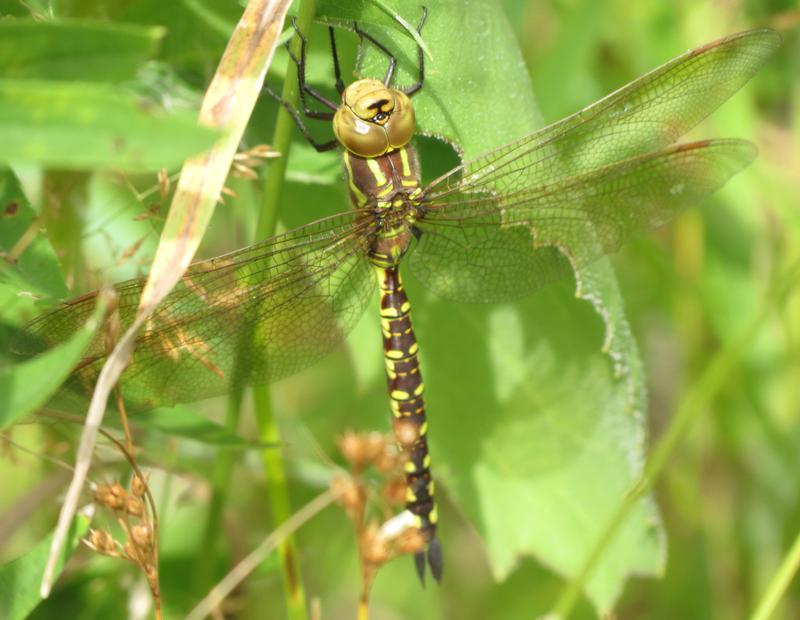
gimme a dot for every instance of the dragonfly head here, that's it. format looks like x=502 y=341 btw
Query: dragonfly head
x=373 y=119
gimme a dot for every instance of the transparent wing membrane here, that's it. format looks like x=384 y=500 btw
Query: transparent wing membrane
x=254 y=315
x=503 y=224
x=493 y=247
x=648 y=114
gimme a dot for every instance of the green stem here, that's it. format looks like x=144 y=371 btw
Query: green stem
x=279 y=503
x=274 y=470
x=780 y=582
x=696 y=400
x=220 y=481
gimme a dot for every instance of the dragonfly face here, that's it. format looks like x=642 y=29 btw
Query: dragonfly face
x=373 y=119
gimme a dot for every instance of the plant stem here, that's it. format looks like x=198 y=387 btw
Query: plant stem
x=274 y=470
x=696 y=400
x=780 y=582
x=248 y=564
x=280 y=506
x=220 y=481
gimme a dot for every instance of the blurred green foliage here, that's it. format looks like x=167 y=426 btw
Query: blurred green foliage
x=729 y=499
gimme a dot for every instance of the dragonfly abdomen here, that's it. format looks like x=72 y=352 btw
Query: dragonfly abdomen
x=405 y=385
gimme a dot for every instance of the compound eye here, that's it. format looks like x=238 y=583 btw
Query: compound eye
x=400 y=127
x=360 y=137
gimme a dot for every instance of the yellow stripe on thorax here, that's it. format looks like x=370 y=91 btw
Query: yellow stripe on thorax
x=404 y=160
x=361 y=199
x=375 y=169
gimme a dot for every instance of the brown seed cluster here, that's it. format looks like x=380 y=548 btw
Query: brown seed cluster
x=246 y=162
x=375 y=462
x=133 y=512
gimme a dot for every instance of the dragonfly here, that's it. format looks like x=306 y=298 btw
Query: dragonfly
x=494 y=228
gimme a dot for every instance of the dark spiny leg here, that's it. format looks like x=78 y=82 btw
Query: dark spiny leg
x=420 y=58
x=410 y=427
x=301 y=79
x=319 y=146
x=336 y=71
x=381 y=47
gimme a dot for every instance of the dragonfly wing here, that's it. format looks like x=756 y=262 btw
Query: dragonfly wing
x=254 y=315
x=493 y=246
x=648 y=114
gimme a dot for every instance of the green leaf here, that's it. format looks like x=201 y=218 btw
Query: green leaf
x=541 y=432
x=20 y=578
x=30 y=271
x=28 y=385
x=465 y=76
x=186 y=422
x=67 y=50
x=93 y=126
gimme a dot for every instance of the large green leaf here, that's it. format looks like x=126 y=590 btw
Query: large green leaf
x=540 y=431
x=20 y=578
x=92 y=126
x=74 y=50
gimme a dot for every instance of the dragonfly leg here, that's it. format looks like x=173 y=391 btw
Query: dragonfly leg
x=304 y=87
x=392 y=60
x=319 y=146
x=336 y=70
x=420 y=58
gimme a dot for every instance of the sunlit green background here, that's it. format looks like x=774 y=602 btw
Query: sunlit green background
x=729 y=498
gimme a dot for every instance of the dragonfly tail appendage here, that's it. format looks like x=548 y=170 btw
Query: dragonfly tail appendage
x=409 y=424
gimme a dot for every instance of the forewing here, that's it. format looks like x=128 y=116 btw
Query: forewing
x=645 y=115
x=489 y=247
x=254 y=315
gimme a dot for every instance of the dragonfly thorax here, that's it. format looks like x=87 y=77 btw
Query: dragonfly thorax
x=373 y=119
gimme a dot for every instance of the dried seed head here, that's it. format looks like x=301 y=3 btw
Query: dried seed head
x=410 y=541
x=130 y=551
x=351 y=445
x=118 y=495
x=351 y=495
x=102 y=541
x=112 y=496
x=395 y=490
x=405 y=431
x=387 y=461
x=102 y=494
x=141 y=535
x=374 y=549
x=374 y=447
x=138 y=486
x=134 y=506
